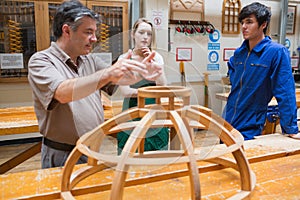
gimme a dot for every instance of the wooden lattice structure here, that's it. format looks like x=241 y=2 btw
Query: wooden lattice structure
x=230 y=13
x=183 y=118
x=187 y=10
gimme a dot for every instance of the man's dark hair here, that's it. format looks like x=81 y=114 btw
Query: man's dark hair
x=70 y=12
x=261 y=12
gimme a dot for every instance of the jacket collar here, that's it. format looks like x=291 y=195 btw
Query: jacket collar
x=260 y=46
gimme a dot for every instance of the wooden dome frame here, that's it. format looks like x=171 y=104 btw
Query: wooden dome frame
x=183 y=118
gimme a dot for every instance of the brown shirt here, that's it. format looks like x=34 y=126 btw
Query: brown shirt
x=63 y=123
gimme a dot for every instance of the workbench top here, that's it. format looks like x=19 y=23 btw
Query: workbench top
x=19 y=120
x=274 y=159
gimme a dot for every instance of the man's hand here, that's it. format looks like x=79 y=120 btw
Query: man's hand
x=127 y=71
x=295 y=136
x=124 y=71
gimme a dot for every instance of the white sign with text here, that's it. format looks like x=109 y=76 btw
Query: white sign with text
x=11 y=61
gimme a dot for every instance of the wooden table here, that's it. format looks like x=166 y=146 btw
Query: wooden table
x=19 y=120
x=22 y=120
x=275 y=160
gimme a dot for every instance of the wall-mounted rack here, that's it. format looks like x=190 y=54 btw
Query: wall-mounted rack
x=189 y=22
x=192 y=27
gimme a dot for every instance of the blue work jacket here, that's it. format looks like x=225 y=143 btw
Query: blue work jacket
x=256 y=76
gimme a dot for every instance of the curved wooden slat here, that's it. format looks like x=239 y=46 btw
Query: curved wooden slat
x=229 y=138
x=217 y=125
x=164 y=91
x=130 y=147
x=85 y=172
x=156 y=124
x=186 y=141
x=68 y=169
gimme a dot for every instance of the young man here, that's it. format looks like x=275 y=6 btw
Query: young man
x=66 y=81
x=259 y=70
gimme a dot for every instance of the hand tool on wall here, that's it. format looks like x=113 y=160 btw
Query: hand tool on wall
x=182 y=73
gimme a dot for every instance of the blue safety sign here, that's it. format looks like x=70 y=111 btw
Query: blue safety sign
x=213 y=46
x=213 y=57
x=215 y=36
x=211 y=67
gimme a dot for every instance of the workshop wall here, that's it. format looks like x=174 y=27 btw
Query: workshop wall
x=198 y=42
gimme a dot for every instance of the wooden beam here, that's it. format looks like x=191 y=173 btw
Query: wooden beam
x=20 y=158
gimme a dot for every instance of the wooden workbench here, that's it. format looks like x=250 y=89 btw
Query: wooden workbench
x=19 y=120
x=22 y=121
x=275 y=160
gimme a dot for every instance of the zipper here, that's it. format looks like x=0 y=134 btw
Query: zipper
x=241 y=85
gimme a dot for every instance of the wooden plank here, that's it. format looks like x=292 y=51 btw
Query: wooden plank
x=42 y=25
x=18 y=159
x=222 y=96
x=213 y=183
x=19 y=120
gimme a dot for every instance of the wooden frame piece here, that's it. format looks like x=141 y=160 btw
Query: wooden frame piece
x=230 y=12
x=90 y=143
x=188 y=9
x=20 y=158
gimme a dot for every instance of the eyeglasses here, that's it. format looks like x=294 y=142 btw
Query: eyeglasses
x=80 y=15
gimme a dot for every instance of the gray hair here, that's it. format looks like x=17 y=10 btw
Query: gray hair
x=70 y=12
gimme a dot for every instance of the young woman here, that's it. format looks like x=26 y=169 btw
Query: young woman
x=143 y=37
